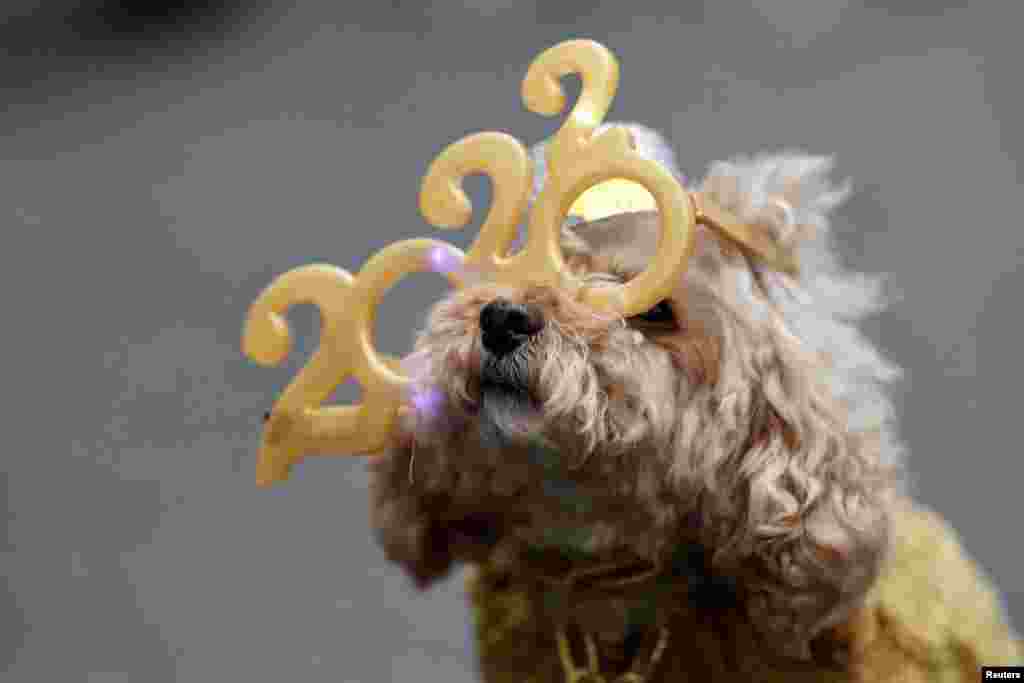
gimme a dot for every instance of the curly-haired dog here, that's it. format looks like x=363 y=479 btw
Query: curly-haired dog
x=735 y=436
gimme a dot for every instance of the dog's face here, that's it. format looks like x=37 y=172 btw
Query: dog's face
x=514 y=371
x=521 y=361
x=733 y=412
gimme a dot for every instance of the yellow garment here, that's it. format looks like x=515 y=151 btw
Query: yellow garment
x=932 y=617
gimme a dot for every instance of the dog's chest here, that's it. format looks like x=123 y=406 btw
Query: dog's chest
x=604 y=504
x=531 y=496
x=580 y=521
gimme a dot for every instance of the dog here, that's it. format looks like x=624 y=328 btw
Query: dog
x=742 y=421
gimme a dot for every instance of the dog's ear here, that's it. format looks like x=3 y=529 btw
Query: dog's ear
x=786 y=196
x=416 y=523
x=627 y=240
x=406 y=523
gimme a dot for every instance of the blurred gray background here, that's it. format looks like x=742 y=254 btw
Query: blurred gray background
x=159 y=166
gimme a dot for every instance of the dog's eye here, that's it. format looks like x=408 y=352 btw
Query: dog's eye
x=662 y=314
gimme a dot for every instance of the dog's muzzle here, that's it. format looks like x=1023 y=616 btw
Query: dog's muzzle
x=506 y=326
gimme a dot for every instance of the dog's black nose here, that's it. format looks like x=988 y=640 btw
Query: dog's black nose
x=506 y=325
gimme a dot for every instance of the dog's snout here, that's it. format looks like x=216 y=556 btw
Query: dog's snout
x=506 y=325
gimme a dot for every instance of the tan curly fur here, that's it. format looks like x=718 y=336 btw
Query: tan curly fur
x=755 y=425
